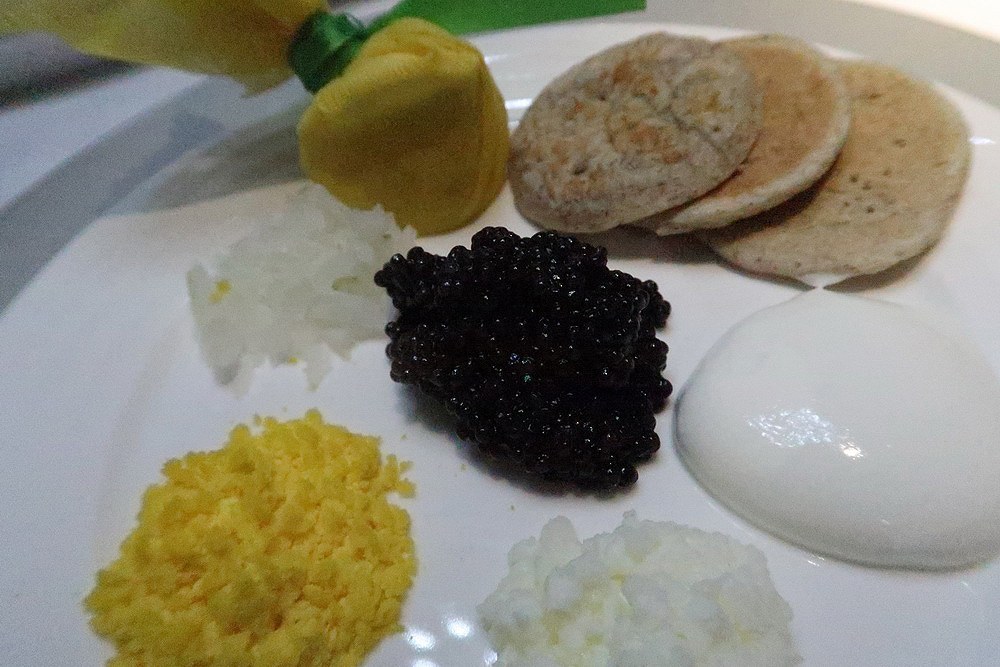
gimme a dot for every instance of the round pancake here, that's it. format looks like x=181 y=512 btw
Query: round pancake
x=633 y=130
x=888 y=197
x=806 y=114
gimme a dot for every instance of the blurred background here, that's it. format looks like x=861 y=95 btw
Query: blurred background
x=33 y=61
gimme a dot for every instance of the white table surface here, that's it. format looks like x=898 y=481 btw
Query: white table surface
x=41 y=126
x=981 y=17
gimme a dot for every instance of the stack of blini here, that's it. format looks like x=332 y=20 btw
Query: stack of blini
x=782 y=160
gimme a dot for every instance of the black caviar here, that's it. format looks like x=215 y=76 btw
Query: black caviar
x=547 y=358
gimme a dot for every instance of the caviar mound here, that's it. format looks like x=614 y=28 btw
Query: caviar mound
x=547 y=358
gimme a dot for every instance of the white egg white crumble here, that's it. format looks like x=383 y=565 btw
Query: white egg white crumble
x=647 y=594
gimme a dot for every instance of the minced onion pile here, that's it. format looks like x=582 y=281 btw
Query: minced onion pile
x=297 y=290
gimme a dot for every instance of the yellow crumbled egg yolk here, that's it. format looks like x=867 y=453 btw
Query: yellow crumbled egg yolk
x=278 y=549
x=222 y=288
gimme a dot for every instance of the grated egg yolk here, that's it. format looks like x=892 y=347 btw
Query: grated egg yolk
x=278 y=549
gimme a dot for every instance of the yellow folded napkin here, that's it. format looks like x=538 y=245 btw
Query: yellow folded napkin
x=244 y=39
x=415 y=123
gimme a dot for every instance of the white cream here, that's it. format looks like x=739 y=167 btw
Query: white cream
x=851 y=427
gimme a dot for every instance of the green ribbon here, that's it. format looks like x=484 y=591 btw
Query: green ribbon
x=324 y=45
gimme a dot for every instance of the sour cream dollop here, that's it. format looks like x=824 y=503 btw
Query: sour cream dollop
x=855 y=428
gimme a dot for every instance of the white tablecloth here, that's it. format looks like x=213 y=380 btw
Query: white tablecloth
x=981 y=17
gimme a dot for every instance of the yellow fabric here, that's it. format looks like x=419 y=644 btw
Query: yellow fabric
x=415 y=123
x=244 y=39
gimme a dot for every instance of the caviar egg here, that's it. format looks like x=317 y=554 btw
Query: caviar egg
x=851 y=427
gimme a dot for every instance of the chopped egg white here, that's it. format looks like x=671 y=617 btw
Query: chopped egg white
x=648 y=594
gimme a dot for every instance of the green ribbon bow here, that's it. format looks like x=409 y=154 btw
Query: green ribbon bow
x=325 y=44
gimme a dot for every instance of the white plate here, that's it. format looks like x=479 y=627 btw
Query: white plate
x=102 y=382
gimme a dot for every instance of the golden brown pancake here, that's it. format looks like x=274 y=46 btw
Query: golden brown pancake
x=806 y=113
x=638 y=128
x=888 y=197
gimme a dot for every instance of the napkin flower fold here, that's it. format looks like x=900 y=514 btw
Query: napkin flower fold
x=415 y=123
